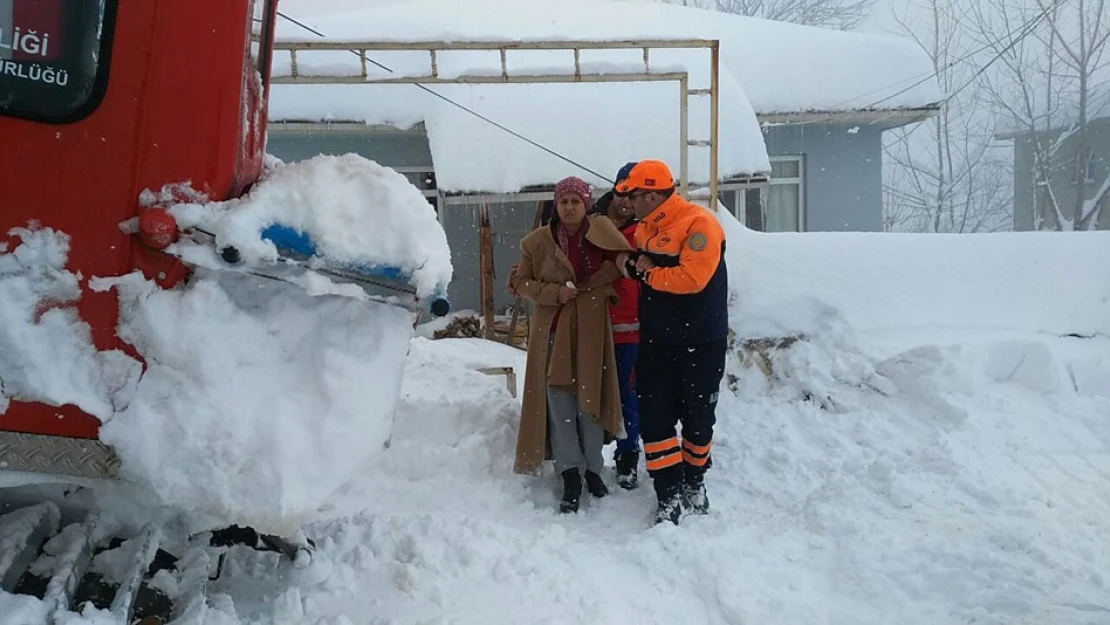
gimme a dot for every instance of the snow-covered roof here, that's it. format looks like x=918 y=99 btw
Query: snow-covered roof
x=766 y=67
x=783 y=67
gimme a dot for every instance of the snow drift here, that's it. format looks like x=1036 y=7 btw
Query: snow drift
x=955 y=494
x=259 y=398
x=1031 y=282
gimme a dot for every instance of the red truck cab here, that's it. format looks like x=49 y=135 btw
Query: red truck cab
x=100 y=101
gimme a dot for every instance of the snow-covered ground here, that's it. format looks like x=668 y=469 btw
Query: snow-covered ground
x=895 y=470
x=935 y=450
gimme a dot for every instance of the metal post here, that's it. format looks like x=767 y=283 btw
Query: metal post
x=485 y=264
x=684 y=136
x=714 y=127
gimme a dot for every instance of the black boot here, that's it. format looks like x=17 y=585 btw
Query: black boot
x=670 y=509
x=572 y=491
x=693 y=493
x=596 y=485
x=628 y=476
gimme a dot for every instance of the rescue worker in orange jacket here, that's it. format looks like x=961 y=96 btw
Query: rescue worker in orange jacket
x=683 y=335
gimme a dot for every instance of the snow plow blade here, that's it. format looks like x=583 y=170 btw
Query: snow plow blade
x=296 y=249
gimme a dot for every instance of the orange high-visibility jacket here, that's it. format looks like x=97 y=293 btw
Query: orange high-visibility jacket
x=685 y=297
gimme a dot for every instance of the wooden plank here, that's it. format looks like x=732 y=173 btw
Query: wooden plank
x=508 y=372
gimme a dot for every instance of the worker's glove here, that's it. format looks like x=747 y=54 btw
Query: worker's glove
x=630 y=266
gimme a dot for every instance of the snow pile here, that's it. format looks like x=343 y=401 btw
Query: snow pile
x=937 y=285
x=46 y=350
x=261 y=397
x=955 y=494
x=258 y=399
x=356 y=212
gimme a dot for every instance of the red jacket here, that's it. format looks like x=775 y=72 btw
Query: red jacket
x=625 y=316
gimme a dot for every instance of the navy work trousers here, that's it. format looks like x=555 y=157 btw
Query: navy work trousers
x=678 y=384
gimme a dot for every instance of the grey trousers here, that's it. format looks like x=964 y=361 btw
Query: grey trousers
x=576 y=439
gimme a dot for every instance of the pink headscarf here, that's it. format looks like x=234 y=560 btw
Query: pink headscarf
x=574 y=185
x=583 y=268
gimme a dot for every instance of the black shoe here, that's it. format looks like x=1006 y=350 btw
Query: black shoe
x=628 y=476
x=596 y=485
x=669 y=510
x=572 y=491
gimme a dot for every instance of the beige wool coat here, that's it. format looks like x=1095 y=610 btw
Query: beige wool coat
x=582 y=358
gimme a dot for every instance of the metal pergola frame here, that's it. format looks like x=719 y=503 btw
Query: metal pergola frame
x=435 y=48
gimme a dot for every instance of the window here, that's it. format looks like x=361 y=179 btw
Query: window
x=776 y=207
x=732 y=197
x=54 y=57
x=784 y=200
x=1088 y=176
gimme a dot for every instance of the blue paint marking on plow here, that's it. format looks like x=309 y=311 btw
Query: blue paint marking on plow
x=299 y=243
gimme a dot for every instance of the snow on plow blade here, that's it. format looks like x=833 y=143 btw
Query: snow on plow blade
x=298 y=247
x=259 y=398
x=345 y=218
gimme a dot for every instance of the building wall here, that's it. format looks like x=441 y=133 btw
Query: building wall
x=1031 y=201
x=389 y=147
x=843 y=173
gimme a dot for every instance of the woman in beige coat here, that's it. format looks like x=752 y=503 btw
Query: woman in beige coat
x=571 y=401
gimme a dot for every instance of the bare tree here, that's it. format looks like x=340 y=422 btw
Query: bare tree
x=1052 y=85
x=945 y=175
x=840 y=14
